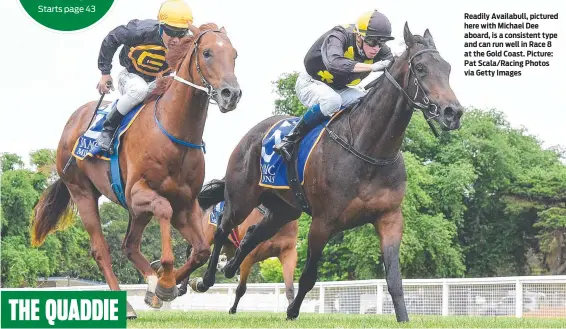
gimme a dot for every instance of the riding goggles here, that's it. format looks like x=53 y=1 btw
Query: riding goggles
x=175 y=33
x=373 y=41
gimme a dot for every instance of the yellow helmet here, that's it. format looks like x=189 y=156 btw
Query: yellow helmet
x=175 y=13
x=374 y=24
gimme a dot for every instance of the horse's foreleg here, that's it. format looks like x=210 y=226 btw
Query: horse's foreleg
x=145 y=200
x=288 y=259
x=390 y=230
x=319 y=234
x=241 y=289
x=255 y=235
x=185 y=282
x=220 y=238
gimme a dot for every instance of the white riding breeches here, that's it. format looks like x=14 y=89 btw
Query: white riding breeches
x=311 y=91
x=133 y=89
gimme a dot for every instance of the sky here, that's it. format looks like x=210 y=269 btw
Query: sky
x=50 y=74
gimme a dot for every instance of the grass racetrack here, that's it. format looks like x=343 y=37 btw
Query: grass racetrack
x=209 y=319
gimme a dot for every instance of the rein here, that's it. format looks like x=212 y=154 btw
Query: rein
x=423 y=105
x=207 y=88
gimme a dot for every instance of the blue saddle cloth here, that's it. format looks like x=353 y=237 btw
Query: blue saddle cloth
x=273 y=166
x=86 y=144
x=217 y=210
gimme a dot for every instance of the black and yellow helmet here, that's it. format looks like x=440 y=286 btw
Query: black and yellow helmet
x=374 y=24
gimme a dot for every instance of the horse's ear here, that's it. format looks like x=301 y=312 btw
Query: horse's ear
x=223 y=30
x=428 y=37
x=409 y=38
x=194 y=29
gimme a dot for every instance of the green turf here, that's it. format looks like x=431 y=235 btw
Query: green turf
x=177 y=319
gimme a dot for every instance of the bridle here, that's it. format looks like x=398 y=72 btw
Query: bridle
x=207 y=88
x=425 y=103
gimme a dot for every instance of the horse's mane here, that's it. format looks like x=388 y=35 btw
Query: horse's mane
x=175 y=56
x=380 y=80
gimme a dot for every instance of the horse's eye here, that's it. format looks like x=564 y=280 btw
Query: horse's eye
x=207 y=53
x=420 y=68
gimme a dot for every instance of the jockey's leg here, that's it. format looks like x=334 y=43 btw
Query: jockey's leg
x=133 y=90
x=322 y=101
x=350 y=96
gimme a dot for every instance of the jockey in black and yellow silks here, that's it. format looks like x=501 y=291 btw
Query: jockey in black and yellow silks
x=334 y=65
x=145 y=45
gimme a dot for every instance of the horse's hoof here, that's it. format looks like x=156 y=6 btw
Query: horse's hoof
x=166 y=294
x=197 y=285
x=152 y=300
x=130 y=313
x=292 y=314
x=156 y=266
x=232 y=311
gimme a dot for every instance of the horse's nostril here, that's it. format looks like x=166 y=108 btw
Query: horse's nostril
x=449 y=113
x=226 y=93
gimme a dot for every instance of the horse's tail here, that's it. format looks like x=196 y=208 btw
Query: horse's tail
x=54 y=211
x=211 y=193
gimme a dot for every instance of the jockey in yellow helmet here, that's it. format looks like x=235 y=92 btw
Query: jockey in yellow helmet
x=336 y=62
x=143 y=58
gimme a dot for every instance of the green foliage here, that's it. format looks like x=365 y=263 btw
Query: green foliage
x=271 y=270
x=488 y=193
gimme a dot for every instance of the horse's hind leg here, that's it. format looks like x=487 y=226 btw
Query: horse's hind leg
x=131 y=247
x=144 y=201
x=85 y=198
x=319 y=234
x=245 y=269
x=390 y=230
x=280 y=213
x=288 y=259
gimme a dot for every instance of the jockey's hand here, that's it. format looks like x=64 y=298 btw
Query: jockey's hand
x=379 y=66
x=105 y=84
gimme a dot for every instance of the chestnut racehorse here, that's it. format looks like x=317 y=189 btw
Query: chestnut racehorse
x=161 y=163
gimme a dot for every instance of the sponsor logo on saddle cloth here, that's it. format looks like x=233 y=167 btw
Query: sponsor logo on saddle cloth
x=86 y=145
x=213 y=218
x=273 y=167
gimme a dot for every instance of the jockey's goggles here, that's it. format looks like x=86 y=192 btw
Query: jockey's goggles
x=175 y=33
x=373 y=41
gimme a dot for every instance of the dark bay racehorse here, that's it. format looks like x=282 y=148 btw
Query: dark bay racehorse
x=161 y=162
x=355 y=176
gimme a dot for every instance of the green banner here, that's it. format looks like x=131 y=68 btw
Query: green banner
x=66 y=15
x=63 y=309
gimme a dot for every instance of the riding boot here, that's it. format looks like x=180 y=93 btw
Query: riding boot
x=113 y=120
x=308 y=121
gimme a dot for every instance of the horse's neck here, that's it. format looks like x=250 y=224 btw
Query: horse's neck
x=380 y=122
x=182 y=110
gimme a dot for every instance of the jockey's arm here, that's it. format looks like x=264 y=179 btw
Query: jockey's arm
x=121 y=35
x=333 y=54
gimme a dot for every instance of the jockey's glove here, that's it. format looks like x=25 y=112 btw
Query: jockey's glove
x=379 y=66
